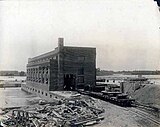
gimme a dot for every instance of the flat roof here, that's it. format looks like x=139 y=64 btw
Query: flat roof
x=54 y=52
x=79 y=47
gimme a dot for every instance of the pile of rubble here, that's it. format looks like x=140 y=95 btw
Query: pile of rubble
x=73 y=111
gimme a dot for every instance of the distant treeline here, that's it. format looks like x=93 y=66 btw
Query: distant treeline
x=137 y=72
x=12 y=73
x=103 y=72
x=145 y=72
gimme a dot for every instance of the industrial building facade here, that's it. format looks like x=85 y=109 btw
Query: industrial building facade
x=65 y=68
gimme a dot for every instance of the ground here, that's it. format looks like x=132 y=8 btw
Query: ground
x=115 y=116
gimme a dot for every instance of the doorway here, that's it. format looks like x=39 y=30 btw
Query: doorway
x=69 y=81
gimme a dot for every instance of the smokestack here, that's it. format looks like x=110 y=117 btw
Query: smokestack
x=60 y=43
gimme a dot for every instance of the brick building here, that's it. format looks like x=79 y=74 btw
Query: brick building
x=65 y=68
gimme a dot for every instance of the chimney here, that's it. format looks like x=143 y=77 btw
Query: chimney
x=60 y=42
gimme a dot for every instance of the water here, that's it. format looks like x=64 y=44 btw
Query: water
x=119 y=77
x=12 y=78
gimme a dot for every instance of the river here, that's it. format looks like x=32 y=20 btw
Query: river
x=119 y=77
x=12 y=78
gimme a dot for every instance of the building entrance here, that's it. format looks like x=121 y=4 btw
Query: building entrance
x=69 y=81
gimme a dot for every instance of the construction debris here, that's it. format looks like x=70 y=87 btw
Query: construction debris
x=74 y=111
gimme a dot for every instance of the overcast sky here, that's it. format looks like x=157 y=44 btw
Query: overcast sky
x=126 y=33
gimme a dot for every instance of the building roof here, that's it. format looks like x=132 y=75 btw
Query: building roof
x=55 y=52
x=51 y=53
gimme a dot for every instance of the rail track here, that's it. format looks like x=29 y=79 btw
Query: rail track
x=132 y=106
x=116 y=98
x=145 y=115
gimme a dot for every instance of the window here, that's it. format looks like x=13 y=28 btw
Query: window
x=81 y=79
x=47 y=70
x=46 y=94
x=43 y=69
x=42 y=80
x=36 y=79
x=39 y=79
x=46 y=80
x=40 y=69
x=80 y=71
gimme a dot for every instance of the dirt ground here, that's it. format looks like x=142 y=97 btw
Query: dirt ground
x=115 y=116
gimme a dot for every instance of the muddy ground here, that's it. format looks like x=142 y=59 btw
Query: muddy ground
x=115 y=116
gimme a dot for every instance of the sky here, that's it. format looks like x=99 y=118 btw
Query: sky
x=126 y=33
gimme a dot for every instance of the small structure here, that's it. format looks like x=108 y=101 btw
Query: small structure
x=65 y=68
x=133 y=84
